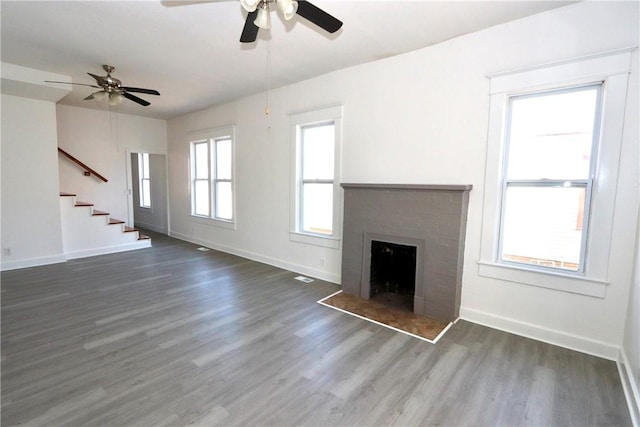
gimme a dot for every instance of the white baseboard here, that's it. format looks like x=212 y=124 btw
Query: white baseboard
x=140 y=244
x=32 y=262
x=296 y=268
x=630 y=386
x=536 y=332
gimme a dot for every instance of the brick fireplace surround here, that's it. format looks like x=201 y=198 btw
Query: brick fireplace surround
x=430 y=217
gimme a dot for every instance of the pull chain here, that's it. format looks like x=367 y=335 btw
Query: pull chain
x=266 y=110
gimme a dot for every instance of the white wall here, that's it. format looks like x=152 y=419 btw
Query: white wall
x=103 y=140
x=422 y=118
x=30 y=193
x=630 y=351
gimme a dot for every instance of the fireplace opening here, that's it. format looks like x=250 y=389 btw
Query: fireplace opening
x=392 y=276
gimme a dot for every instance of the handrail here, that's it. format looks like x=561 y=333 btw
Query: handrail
x=87 y=170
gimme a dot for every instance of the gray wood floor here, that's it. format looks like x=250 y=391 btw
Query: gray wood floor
x=173 y=336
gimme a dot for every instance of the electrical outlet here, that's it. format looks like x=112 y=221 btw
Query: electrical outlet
x=321 y=262
x=6 y=251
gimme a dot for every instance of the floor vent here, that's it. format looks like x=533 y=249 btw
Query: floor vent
x=201 y=249
x=303 y=279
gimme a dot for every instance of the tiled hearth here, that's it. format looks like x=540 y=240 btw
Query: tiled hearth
x=430 y=217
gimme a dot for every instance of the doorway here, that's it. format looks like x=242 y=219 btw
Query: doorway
x=148 y=191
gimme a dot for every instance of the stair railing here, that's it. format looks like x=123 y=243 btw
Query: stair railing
x=87 y=170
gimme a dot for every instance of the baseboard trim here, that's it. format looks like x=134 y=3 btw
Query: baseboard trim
x=630 y=386
x=296 y=268
x=550 y=336
x=31 y=262
x=140 y=244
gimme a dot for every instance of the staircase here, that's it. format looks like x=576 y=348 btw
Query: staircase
x=87 y=231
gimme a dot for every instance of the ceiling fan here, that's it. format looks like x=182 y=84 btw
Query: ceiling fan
x=259 y=14
x=112 y=89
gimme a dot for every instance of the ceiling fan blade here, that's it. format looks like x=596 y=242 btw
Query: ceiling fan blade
x=140 y=90
x=70 y=83
x=135 y=99
x=99 y=79
x=250 y=30
x=318 y=16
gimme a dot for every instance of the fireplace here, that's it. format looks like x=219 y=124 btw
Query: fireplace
x=425 y=223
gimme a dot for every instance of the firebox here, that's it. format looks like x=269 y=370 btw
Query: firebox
x=392 y=278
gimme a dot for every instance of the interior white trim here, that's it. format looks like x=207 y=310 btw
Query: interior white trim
x=296 y=268
x=551 y=336
x=140 y=244
x=544 y=279
x=32 y=262
x=630 y=386
x=297 y=119
x=612 y=68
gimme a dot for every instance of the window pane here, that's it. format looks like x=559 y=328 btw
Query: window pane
x=318 y=151
x=317 y=210
x=543 y=226
x=223 y=159
x=551 y=135
x=201 y=153
x=145 y=194
x=145 y=165
x=224 y=200
x=201 y=198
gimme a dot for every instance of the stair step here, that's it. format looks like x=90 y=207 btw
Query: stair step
x=115 y=221
x=83 y=204
x=62 y=194
x=143 y=237
x=97 y=212
x=129 y=229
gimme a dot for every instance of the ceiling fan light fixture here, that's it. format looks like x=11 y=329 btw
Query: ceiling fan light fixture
x=288 y=8
x=99 y=96
x=115 y=98
x=249 y=5
x=263 y=20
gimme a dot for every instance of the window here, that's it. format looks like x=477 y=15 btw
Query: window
x=145 y=180
x=554 y=141
x=550 y=147
x=212 y=176
x=317 y=195
x=317 y=147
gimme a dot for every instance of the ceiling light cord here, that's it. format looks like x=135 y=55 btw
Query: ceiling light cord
x=267 y=109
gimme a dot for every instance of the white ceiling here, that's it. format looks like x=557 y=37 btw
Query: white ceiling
x=191 y=53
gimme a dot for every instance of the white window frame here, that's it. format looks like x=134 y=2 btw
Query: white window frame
x=144 y=175
x=612 y=70
x=210 y=137
x=586 y=183
x=297 y=122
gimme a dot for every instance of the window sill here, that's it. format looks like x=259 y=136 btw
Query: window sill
x=312 y=239
x=221 y=223
x=545 y=279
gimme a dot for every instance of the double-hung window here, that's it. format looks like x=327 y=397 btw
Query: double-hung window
x=212 y=194
x=316 y=216
x=554 y=141
x=144 y=176
x=551 y=147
